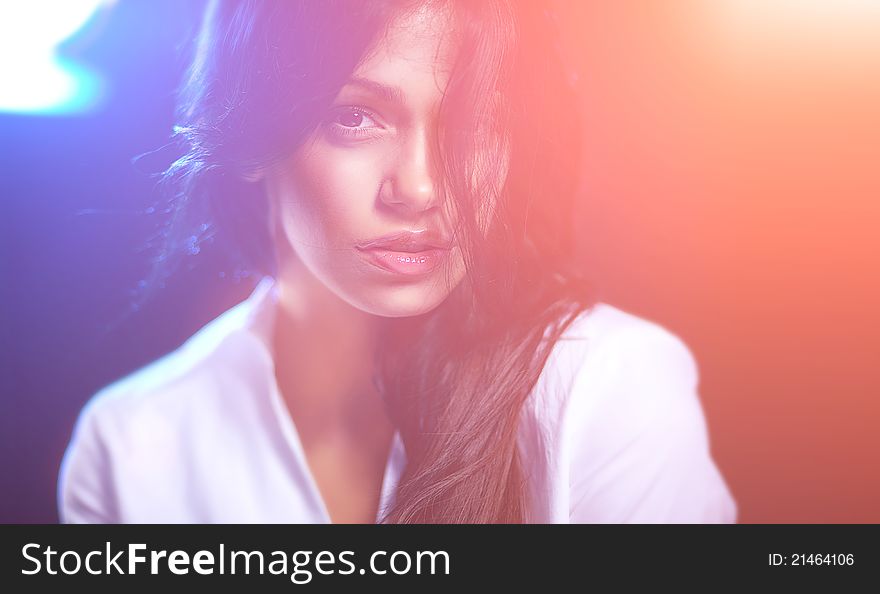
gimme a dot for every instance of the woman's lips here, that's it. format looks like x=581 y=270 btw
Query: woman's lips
x=406 y=263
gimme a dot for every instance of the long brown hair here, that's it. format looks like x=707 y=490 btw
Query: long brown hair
x=455 y=379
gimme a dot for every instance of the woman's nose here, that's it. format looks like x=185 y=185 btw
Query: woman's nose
x=413 y=186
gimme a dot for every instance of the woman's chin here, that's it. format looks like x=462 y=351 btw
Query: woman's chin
x=401 y=302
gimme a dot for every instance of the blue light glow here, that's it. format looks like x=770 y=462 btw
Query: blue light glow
x=33 y=77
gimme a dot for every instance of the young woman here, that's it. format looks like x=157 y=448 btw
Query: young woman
x=422 y=347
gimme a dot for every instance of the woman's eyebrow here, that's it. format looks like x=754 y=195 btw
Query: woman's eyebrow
x=388 y=93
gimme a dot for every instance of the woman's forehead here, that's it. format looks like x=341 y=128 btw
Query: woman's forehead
x=418 y=48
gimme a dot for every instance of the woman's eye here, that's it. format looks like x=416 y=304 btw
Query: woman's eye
x=353 y=121
x=352 y=118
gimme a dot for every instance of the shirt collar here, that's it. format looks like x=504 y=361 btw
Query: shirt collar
x=260 y=310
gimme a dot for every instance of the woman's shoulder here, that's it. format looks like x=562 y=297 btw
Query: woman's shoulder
x=601 y=363
x=191 y=379
x=145 y=420
x=605 y=325
x=176 y=378
x=612 y=362
x=606 y=344
x=229 y=343
x=622 y=360
x=631 y=423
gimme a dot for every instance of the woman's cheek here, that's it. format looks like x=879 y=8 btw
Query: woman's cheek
x=344 y=177
x=358 y=168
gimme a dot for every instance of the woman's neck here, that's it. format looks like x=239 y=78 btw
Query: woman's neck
x=324 y=351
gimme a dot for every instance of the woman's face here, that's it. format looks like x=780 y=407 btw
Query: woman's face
x=366 y=173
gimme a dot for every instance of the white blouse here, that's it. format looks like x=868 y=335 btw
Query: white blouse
x=613 y=432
